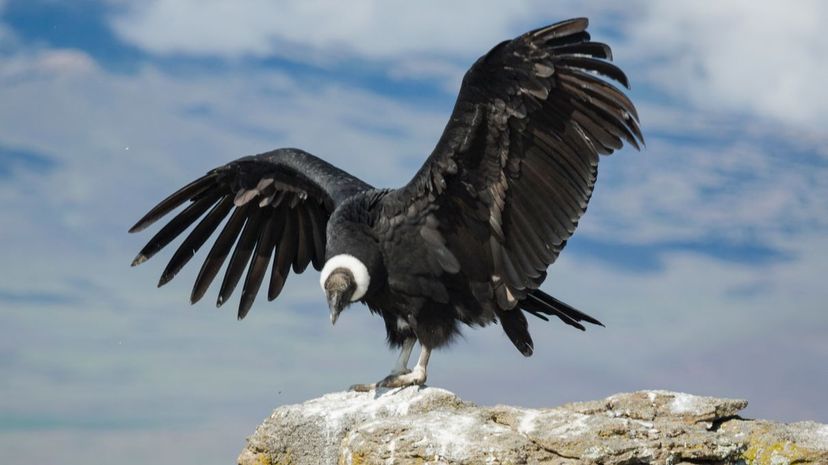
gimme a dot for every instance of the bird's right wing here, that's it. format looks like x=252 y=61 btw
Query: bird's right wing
x=278 y=204
x=515 y=167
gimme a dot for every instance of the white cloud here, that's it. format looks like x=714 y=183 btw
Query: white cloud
x=738 y=188
x=49 y=63
x=761 y=59
x=120 y=143
x=124 y=348
x=694 y=313
x=368 y=28
x=445 y=71
x=143 y=135
x=753 y=58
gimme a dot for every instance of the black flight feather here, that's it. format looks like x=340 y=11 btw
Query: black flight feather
x=219 y=252
x=174 y=200
x=196 y=239
x=175 y=227
x=285 y=253
x=304 y=239
x=240 y=257
x=258 y=266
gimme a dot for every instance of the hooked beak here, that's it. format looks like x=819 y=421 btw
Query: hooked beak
x=339 y=288
x=336 y=305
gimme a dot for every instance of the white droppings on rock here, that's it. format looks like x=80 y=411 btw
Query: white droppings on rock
x=338 y=412
x=369 y=405
x=392 y=452
x=593 y=453
x=687 y=404
x=779 y=460
x=572 y=426
x=646 y=424
x=528 y=422
x=811 y=435
x=822 y=436
x=396 y=425
x=450 y=438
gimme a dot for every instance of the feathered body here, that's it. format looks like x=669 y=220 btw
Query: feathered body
x=466 y=241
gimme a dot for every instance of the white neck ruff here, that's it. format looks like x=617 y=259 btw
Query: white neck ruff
x=352 y=264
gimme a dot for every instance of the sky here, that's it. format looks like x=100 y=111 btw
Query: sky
x=704 y=255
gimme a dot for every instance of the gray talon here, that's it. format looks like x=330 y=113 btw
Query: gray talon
x=363 y=387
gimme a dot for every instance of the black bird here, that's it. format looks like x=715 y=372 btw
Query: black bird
x=467 y=240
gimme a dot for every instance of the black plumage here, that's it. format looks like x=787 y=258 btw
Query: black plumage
x=467 y=240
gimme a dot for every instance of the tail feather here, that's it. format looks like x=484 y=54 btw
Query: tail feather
x=517 y=328
x=538 y=303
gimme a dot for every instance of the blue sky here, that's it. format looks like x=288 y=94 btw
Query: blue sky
x=704 y=255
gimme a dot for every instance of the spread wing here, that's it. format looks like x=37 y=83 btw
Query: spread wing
x=278 y=205
x=515 y=167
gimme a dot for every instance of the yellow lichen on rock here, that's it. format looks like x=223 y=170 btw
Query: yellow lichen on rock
x=774 y=453
x=414 y=426
x=248 y=457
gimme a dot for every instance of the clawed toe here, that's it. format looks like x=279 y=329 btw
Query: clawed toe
x=400 y=376
x=388 y=381
x=412 y=378
x=363 y=387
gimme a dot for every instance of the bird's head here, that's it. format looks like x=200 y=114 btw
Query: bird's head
x=344 y=279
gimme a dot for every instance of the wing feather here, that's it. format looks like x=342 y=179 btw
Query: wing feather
x=304 y=240
x=519 y=158
x=176 y=226
x=285 y=254
x=317 y=227
x=577 y=62
x=196 y=239
x=258 y=266
x=219 y=252
x=175 y=200
x=241 y=255
x=280 y=201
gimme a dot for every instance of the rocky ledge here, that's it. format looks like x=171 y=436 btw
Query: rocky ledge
x=433 y=426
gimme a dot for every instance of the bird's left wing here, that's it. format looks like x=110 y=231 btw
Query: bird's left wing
x=516 y=164
x=278 y=204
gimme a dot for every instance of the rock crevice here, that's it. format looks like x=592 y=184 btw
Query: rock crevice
x=433 y=426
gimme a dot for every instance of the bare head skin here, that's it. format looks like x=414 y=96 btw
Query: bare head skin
x=344 y=279
x=339 y=290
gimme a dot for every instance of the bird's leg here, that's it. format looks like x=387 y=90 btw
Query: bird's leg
x=416 y=377
x=400 y=367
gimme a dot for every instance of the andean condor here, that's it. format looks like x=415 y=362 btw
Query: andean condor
x=467 y=240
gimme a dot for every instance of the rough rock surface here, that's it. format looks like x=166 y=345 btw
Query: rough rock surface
x=433 y=426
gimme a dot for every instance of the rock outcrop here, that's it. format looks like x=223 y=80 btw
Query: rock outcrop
x=433 y=426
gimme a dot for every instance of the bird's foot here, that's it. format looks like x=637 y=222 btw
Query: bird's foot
x=408 y=378
x=397 y=378
x=371 y=386
x=363 y=387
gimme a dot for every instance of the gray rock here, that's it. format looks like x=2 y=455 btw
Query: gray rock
x=433 y=426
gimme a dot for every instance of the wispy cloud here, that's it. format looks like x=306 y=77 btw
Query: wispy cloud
x=734 y=56
x=738 y=189
x=714 y=237
x=318 y=29
x=14 y=159
x=754 y=59
x=103 y=128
